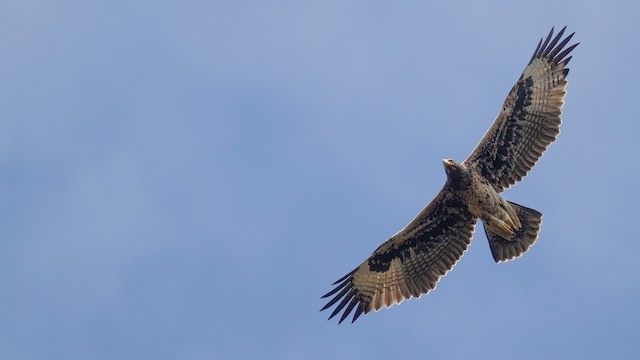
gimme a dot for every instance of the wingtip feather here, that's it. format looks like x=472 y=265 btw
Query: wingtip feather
x=553 y=42
x=552 y=48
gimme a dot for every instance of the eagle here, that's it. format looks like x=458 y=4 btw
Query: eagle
x=410 y=263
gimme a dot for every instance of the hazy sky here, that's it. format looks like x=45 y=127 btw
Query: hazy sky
x=184 y=180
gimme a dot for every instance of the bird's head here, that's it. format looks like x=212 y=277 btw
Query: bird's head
x=457 y=175
x=451 y=166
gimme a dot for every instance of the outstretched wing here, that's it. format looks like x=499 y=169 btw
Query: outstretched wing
x=529 y=119
x=410 y=263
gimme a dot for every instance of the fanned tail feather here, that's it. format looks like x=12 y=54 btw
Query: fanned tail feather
x=503 y=249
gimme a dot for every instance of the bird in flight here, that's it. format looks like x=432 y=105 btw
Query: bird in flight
x=410 y=263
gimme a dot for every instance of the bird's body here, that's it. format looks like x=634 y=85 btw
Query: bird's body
x=411 y=262
x=482 y=200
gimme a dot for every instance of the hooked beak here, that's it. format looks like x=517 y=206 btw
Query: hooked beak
x=448 y=163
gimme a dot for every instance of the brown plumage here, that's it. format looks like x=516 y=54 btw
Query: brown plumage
x=410 y=263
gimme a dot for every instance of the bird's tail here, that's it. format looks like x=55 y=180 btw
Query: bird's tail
x=503 y=249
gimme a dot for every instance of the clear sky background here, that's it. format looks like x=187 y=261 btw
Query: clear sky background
x=184 y=180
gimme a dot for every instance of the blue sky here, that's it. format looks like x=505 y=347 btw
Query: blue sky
x=183 y=180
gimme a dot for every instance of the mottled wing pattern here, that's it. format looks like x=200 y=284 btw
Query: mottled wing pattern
x=410 y=263
x=529 y=119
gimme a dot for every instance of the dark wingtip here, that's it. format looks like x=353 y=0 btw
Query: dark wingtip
x=535 y=52
x=554 y=52
x=349 y=308
x=335 y=290
x=566 y=61
x=565 y=52
x=546 y=42
x=552 y=48
x=336 y=298
x=340 y=306
x=358 y=312
x=346 y=276
x=348 y=299
x=553 y=42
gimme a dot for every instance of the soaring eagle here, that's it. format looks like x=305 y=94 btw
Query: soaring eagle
x=410 y=263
